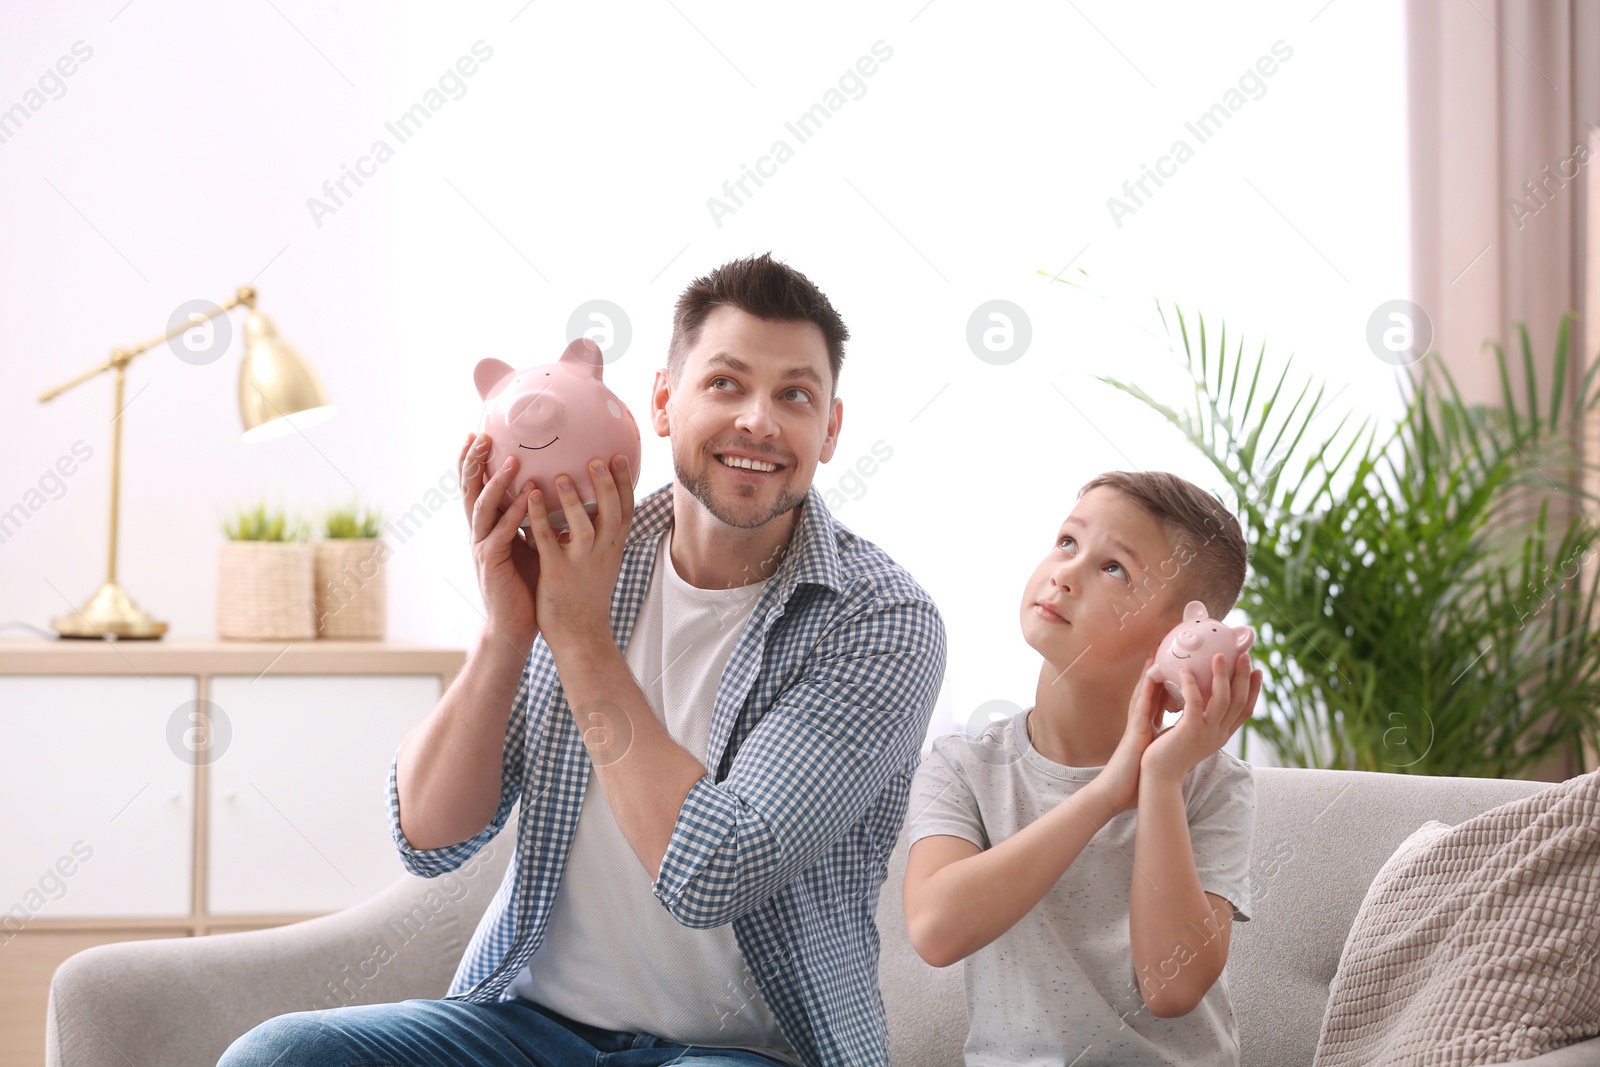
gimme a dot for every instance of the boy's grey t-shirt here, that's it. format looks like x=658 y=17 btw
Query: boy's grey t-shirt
x=1059 y=985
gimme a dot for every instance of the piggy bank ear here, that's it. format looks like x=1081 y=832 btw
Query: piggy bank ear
x=1243 y=638
x=489 y=375
x=1195 y=611
x=583 y=358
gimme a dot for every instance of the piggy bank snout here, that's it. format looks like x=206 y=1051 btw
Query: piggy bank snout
x=1189 y=639
x=536 y=410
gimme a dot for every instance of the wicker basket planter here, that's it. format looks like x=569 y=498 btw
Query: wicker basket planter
x=351 y=582
x=264 y=591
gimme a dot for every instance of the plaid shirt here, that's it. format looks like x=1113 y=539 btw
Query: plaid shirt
x=816 y=733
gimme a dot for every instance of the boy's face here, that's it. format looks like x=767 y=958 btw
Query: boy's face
x=756 y=390
x=1104 y=595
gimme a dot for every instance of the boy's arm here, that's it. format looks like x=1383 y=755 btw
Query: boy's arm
x=1179 y=933
x=959 y=898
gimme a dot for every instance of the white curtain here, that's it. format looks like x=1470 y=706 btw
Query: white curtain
x=1504 y=96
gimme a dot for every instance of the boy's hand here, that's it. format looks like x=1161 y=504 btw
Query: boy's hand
x=1204 y=727
x=1120 y=778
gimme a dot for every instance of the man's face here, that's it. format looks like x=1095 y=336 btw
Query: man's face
x=1110 y=576
x=756 y=392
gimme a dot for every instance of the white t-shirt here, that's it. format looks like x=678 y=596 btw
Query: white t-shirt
x=1060 y=985
x=612 y=955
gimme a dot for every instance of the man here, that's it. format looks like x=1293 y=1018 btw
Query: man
x=710 y=710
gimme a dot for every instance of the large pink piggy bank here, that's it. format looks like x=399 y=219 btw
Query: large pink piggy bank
x=1192 y=643
x=555 y=418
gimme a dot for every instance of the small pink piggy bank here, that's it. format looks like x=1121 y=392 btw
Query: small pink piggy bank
x=1192 y=643
x=555 y=418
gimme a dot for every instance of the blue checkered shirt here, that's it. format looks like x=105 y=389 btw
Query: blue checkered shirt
x=817 y=730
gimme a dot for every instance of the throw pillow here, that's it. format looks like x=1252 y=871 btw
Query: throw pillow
x=1477 y=943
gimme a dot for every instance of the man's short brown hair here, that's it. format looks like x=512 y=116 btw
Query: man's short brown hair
x=759 y=286
x=1209 y=552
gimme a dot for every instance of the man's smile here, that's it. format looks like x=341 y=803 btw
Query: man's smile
x=747 y=464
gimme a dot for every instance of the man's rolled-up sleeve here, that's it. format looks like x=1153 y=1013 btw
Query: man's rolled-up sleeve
x=811 y=767
x=432 y=862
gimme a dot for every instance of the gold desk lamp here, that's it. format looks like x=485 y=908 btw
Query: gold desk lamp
x=278 y=394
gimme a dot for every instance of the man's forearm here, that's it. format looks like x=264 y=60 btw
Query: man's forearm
x=644 y=773
x=448 y=768
x=1177 y=948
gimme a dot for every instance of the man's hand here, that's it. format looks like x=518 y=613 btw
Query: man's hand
x=506 y=563
x=1120 y=778
x=577 y=575
x=1204 y=727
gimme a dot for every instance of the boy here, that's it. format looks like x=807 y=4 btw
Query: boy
x=1087 y=867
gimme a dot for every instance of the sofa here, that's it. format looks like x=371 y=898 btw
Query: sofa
x=1321 y=836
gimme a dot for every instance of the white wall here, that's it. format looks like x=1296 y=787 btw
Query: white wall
x=178 y=162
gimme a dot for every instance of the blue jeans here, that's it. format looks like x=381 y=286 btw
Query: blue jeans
x=447 y=1033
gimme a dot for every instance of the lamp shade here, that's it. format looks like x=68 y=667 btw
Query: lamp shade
x=278 y=391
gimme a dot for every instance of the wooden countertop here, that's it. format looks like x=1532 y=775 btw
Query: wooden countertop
x=323 y=656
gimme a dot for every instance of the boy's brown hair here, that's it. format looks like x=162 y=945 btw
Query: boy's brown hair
x=1209 y=552
x=759 y=286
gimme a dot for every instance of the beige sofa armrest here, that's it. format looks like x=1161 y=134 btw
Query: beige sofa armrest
x=181 y=1002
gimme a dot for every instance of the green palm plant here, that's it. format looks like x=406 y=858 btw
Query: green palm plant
x=1418 y=590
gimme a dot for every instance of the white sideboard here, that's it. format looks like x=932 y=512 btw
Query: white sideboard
x=180 y=788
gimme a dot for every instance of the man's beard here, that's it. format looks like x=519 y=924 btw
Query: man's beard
x=701 y=489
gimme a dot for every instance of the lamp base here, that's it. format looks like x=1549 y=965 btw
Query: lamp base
x=110 y=613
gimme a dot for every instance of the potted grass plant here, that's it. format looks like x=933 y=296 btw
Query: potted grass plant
x=1424 y=592
x=264 y=578
x=351 y=581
